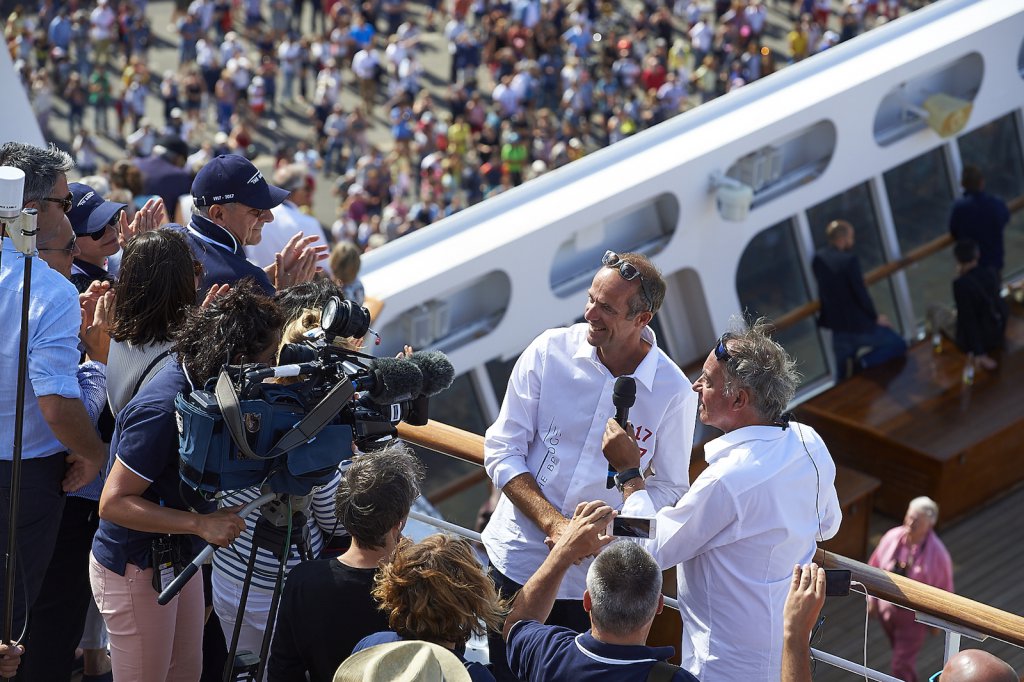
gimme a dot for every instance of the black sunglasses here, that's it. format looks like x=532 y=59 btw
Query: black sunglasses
x=114 y=224
x=721 y=352
x=629 y=272
x=65 y=203
x=70 y=248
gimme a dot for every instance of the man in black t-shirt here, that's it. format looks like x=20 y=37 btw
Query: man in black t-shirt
x=326 y=607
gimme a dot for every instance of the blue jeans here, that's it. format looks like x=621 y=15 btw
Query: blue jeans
x=884 y=342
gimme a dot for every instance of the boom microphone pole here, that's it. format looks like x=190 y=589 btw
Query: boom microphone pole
x=20 y=226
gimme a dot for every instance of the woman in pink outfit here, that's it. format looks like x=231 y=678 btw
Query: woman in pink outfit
x=915 y=551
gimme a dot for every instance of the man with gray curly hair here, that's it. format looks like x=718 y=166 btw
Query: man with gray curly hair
x=326 y=607
x=767 y=496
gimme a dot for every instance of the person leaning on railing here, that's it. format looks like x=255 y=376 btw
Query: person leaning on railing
x=767 y=495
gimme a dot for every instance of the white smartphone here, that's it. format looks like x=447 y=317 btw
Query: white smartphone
x=634 y=527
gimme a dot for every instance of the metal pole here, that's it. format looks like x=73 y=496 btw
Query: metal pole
x=15 y=484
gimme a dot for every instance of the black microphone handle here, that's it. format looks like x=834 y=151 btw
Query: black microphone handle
x=622 y=419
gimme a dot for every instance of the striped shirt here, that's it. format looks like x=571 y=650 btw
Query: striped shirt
x=321 y=523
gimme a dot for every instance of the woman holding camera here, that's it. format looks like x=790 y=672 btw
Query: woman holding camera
x=150 y=526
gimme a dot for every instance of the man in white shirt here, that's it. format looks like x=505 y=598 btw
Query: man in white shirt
x=289 y=220
x=544 y=450
x=767 y=495
x=365 y=63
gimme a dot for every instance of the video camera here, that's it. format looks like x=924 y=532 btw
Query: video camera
x=239 y=432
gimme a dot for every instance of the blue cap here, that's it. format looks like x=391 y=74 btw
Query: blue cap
x=230 y=178
x=89 y=212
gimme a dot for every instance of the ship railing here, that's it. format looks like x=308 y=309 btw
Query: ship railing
x=956 y=616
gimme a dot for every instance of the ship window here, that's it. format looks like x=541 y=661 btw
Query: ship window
x=769 y=283
x=499 y=371
x=787 y=163
x=459 y=407
x=856 y=206
x=643 y=228
x=995 y=148
x=920 y=197
x=941 y=99
x=452 y=319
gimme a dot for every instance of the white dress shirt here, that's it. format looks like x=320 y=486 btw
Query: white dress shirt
x=753 y=514
x=288 y=221
x=558 y=400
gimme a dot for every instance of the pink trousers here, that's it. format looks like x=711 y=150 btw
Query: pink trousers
x=149 y=642
x=906 y=635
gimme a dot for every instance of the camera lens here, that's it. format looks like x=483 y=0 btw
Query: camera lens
x=295 y=353
x=344 y=318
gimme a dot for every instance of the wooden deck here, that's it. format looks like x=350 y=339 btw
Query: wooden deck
x=919 y=429
x=988 y=551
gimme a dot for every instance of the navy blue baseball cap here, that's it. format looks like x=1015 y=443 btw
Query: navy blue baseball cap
x=89 y=212
x=230 y=178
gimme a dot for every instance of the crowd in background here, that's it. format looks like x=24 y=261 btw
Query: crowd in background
x=531 y=85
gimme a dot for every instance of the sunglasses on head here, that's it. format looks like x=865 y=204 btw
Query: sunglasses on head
x=629 y=272
x=65 y=203
x=721 y=352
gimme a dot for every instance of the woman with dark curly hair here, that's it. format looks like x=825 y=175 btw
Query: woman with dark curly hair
x=145 y=512
x=437 y=592
x=157 y=284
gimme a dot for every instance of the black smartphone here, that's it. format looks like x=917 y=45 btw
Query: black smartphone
x=837 y=582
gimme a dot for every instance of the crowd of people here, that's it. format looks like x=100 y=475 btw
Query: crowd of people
x=127 y=311
x=531 y=86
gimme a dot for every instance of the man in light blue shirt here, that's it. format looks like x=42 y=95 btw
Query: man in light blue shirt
x=60 y=447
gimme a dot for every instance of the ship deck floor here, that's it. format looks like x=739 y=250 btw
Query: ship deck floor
x=987 y=558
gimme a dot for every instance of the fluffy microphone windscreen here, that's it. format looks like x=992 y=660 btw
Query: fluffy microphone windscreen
x=398 y=380
x=438 y=372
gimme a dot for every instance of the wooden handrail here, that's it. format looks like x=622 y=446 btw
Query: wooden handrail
x=922 y=598
x=445 y=439
x=808 y=309
x=897 y=589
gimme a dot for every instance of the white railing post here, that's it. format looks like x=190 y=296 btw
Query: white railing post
x=953 y=633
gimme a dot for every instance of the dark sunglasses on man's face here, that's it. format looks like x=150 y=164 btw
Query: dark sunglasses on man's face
x=65 y=203
x=628 y=271
x=114 y=224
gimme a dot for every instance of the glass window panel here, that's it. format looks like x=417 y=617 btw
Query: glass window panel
x=920 y=197
x=770 y=282
x=856 y=207
x=458 y=406
x=499 y=372
x=995 y=149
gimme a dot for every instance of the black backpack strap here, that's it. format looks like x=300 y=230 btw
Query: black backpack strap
x=149 y=368
x=662 y=671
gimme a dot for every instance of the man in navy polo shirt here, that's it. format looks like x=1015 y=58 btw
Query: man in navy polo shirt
x=231 y=203
x=622 y=598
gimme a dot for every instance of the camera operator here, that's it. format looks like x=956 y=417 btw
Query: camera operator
x=146 y=521
x=55 y=420
x=301 y=305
